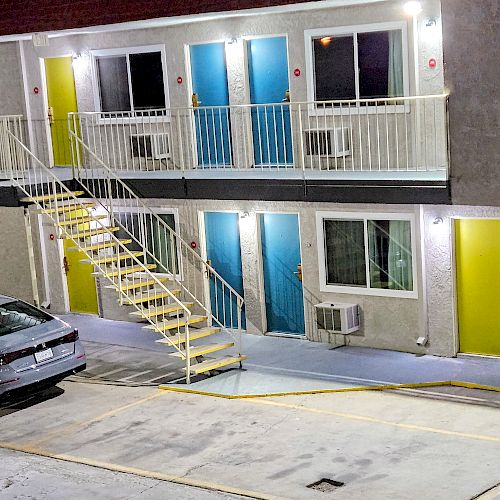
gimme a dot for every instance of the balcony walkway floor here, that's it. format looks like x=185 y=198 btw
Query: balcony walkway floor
x=66 y=173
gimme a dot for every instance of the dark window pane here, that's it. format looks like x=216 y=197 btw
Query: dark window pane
x=334 y=68
x=17 y=316
x=345 y=252
x=390 y=254
x=113 y=83
x=380 y=64
x=146 y=71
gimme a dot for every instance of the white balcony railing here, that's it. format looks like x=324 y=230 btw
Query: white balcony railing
x=369 y=137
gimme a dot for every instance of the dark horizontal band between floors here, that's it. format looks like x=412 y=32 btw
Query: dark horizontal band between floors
x=397 y=192
x=387 y=192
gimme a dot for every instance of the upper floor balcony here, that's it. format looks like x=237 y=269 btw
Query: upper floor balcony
x=324 y=93
x=403 y=138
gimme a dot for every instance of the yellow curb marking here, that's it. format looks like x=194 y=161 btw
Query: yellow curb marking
x=453 y=383
x=373 y=420
x=471 y=385
x=78 y=425
x=304 y=393
x=198 y=483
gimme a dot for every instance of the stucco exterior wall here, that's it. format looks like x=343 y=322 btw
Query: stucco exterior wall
x=387 y=323
x=470 y=31
x=15 y=276
x=391 y=323
x=11 y=87
x=291 y=24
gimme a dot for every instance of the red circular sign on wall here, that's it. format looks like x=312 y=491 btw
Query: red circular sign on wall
x=296 y=71
x=432 y=63
x=193 y=244
x=36 y=90
x=179 y=80
x=51 y=236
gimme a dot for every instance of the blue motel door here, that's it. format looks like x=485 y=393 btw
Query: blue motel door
x=212 y=120
x=284 y=297
x=269 y=89
x=222 y=236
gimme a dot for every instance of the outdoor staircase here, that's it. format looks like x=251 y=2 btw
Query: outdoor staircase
x=171 y=302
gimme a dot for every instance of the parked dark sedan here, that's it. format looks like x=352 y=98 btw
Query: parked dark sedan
x=35 y=347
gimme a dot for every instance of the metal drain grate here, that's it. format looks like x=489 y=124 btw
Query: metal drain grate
x=325 y=485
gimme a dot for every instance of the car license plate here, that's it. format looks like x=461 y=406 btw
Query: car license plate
x=43 y=355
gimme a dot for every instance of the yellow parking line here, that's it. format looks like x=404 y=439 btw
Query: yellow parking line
x=373 y=420
x=78 y=425
x=197 y=483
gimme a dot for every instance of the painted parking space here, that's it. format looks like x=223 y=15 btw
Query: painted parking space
x=273 y=447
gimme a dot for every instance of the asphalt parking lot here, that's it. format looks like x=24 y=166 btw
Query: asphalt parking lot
x=379 y=445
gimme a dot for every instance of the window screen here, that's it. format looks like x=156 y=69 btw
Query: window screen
x=113 y=83
x=345 y=252
x=139 y=74
x=334 y=68
x=380 y=66
x=388 y=259
x=146 y=71
x=373 y=61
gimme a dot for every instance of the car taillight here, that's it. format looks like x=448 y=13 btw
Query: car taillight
x=9 y=357
x=70 y=337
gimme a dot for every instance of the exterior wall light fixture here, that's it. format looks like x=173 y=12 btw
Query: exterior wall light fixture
x=413 y=8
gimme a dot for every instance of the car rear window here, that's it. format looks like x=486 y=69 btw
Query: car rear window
x=17 y=315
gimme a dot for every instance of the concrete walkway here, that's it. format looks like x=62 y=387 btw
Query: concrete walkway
x=287 y=365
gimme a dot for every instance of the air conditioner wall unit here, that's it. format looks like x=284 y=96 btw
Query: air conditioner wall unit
x=328 y=142
x=150 y=146
x=337 y=318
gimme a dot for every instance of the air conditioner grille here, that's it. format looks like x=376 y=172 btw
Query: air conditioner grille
x=334 y=142
x=150 y=146
x=337 y=318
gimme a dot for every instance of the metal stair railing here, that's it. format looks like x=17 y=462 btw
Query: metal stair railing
x=198 y=279
x=34 y=179
x=337 y=138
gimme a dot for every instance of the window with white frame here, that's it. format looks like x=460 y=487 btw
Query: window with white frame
x=159 y=242
x=367 y=254
x=130 y=79
x=357 y=63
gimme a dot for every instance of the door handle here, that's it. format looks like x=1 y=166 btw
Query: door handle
x=50 y=115
x=65 y=265
x=194 y=100
x=298 y=272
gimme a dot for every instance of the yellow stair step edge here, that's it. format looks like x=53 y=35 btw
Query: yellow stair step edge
x=126 y=270
x=215 y=364
x=92 y=232
x=201 y=350
x=138 y=283
x=99 y=246
x=139 y=298
x=50 y=197
x=113 y=258
x=174 y=323
x=81 y=220
x=194 y=334
x=159 y=311
x=67 y=207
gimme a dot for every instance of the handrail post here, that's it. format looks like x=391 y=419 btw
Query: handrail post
x=187 y=349
x=240 y=306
